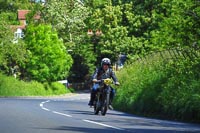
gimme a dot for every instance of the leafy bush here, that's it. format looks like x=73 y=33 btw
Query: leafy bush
x=58 y=88
x=13 y=87
x=181 y=95
x=156 y=87
x=10 y=18
x=9 y=86
x=141 y=88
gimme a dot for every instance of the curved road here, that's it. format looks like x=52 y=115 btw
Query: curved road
x=72 y=115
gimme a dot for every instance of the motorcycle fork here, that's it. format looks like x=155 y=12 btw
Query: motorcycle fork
x=98 y=96
x=103 y=97
x=107 y=96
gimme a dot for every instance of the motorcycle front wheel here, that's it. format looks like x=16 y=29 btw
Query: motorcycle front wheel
x=105 y=104
x=104 y=109
x=97 y=108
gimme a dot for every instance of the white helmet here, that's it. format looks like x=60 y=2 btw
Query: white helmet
x=105 y=61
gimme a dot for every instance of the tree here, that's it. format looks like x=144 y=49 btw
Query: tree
x=48 y=59
x=68 y=18
x=14 y=5
x=179 y=26
x=12 y=56
x=108 y=19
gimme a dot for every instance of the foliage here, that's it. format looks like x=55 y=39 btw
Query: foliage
x=14 y=5
x=131 y=27
x=6 y=6
x=68 y=18
x=82 y=66
x=47 y=57
x=9 y=86
x=10 y=18
x=4 y=32
x=58 y=88
x=139 y=92
x=179 y=25
x=161 y=88
x=107 y=18
x=12 y=56
x=180 y=96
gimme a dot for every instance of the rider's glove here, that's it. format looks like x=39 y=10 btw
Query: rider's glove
x=94 y=80
x=117 y=83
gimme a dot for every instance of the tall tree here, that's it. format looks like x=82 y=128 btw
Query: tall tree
x=179 y=26
x=12 y=56
x=68 y=18
x=108 y=19
x=48 y=59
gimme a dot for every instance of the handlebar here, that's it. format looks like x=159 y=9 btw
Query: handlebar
x=107 y=81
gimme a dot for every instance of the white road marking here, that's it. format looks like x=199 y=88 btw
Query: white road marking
x=61 y=114
x=42 y=105
x=85 y=120
x=45 y=109
x=105 y=125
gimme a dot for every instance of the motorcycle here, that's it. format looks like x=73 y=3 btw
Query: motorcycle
x=102 y=99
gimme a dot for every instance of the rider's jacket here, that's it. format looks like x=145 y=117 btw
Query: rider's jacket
x=101 y=74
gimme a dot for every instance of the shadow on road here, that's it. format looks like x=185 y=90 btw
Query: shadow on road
x=80 y=112
x=73 y=129
x=76 y=129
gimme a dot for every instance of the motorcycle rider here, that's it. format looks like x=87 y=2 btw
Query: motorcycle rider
x=103 y=72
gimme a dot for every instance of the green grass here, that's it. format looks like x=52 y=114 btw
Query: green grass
x=162 y=88
x=9 y=86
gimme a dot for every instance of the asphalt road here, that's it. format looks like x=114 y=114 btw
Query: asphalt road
x=70 y=114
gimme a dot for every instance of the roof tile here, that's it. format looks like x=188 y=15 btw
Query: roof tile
x=22 y=14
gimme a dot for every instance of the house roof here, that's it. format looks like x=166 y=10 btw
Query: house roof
x=22 y=14
x=22 y=17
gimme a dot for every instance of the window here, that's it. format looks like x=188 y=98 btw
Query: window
x=19 y=34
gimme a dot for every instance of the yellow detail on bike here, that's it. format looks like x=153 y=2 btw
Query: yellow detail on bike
x=108 y=81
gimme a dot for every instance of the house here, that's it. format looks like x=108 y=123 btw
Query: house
x=19 y=28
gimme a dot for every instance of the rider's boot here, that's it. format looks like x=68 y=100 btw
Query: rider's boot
x=111 y=99
x=92 y=97
x=110 y=105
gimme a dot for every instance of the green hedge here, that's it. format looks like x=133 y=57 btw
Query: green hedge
x=9 y=86
x=159 y=88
